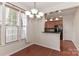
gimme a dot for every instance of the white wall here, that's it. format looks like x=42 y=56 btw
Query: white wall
x=49 y=40
x=68 y=26
x=71 y=28
x=76 y=29
x=31 y=30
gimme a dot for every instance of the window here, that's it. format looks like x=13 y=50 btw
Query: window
x=24 y=26
x=11 y=24
x=0 y=20
x=11 y=16
x=0 y=14
x=11 y=33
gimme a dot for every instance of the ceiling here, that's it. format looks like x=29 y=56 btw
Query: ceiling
x=40 y=4
x=70 y=11
x=49 y=6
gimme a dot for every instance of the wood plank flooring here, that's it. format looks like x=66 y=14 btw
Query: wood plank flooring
x=67 y=49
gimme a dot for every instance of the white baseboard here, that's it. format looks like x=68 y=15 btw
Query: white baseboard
x=47 y=46
x=27 y=45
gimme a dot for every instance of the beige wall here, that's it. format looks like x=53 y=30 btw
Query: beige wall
x=31 y=31
x=71 y=28
x=68 y=26
x=76 y=29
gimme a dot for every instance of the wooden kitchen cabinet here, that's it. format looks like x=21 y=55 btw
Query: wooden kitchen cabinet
x=51 y=24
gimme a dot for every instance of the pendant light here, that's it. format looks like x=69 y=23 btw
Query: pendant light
x=34 y=13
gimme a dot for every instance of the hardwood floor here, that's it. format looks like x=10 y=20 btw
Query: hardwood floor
x=67 y=49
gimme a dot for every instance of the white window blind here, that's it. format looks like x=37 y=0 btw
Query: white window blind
x=11 y=33
x=11 y=24
x=12 y=21
x=24 y=26
x=0 y=20
x=0 y=14
x=11 y=16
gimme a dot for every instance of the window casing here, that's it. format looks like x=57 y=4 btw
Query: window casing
x=11 y=21
x=0 y=20
x=11 y=24
x=23 y=26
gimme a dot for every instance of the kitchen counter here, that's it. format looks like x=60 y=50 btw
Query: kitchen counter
x=52 y=32
x=50 y=40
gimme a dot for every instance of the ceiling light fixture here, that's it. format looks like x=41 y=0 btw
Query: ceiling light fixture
x=51 y=19
x=59 y=11
x=56 y=18
x=34 y=13
x=46 y=20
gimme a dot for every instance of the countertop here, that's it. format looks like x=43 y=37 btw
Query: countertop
x=52 y=32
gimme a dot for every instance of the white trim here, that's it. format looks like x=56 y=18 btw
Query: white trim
x=19 y=49
x=47 y=46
